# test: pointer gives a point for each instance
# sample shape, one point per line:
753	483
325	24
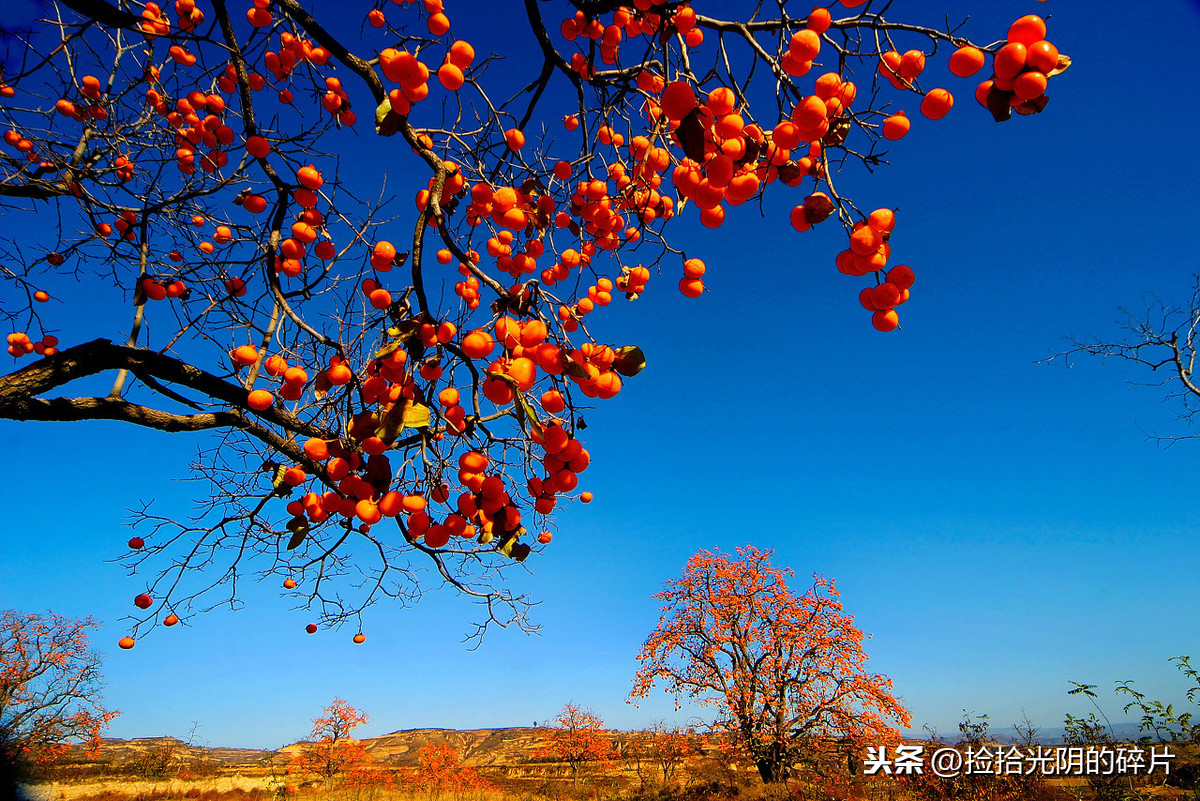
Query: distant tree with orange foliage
577	738
441	771
787	671
659	752
332	754
50	684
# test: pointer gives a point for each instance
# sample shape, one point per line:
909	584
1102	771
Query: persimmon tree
50	688
660	751
386	385
787	672
331	753
577	738
440	771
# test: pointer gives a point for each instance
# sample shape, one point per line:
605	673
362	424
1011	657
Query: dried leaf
526	413
629	361
321	386
574	369
408	414
389	348
1064	61
386	123
839	129
753	150
513	549
280	486
997	103
297	539
817	208
1034	106
789	172
691	136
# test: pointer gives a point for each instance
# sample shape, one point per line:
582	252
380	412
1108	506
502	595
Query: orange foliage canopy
49	687
577	738
333	754
786	670
441	771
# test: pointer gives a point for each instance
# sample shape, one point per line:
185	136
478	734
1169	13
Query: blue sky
1000	526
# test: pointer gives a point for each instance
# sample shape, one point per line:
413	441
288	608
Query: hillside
507	751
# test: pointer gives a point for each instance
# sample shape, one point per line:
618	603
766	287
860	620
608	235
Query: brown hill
477	747
512	752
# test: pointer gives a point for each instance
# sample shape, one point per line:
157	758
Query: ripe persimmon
691	287
1029	84
553	401
966	61
912	64
260	400
885	320
882	220
478	344
896	126
310	178
450	76
125	643
678	99
819	20
381	298
720	101
316	449
937	104
461	54
383	255
901	275
1010	60
1042	56
804	45
866	240
245	355
1027	30
311	628
258	147
438	24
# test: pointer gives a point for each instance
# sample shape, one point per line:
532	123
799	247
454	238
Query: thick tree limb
19	391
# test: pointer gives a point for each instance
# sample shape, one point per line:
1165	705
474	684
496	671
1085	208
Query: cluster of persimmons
456	416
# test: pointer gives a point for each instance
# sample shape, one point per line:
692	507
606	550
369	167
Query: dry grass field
506	765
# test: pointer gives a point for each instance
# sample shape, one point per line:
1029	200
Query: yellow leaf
415	415
408	414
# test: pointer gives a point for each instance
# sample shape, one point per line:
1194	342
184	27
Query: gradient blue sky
998	525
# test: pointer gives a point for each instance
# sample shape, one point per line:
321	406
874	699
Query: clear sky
1000	526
